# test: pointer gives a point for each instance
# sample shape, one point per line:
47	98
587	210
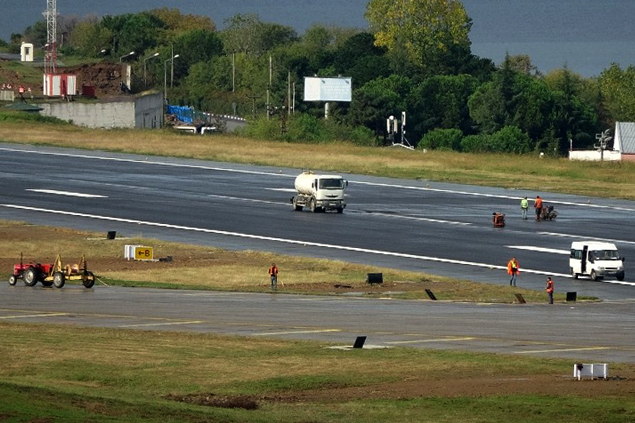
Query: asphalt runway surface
431	227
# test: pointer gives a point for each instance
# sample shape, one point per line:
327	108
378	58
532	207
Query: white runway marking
281	189
67	193
281	240
417	341
539	249
282	175
563	350
193	322
34	315
423	219
589	238
294	332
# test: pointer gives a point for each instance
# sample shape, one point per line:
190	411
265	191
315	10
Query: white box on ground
592	370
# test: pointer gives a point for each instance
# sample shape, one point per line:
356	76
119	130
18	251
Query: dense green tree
36	34
374	102
194	46
248	34
441	102
617	87
429	32
89	38
359	58
133	32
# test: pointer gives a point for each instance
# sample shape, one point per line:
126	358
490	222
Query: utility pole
172	69
289	94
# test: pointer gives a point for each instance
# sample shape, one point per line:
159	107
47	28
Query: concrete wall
149	111
594	155
129	112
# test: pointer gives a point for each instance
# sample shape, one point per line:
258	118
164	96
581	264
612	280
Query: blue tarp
183	113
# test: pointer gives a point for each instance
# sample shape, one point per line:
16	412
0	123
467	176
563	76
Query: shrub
510	139
442	139
475	144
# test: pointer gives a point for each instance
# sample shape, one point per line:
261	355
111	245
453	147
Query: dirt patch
212	400
618	386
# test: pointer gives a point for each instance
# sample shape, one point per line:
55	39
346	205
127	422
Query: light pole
145	81
165	75
126	55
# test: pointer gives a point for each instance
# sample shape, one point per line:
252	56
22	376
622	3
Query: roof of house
626	133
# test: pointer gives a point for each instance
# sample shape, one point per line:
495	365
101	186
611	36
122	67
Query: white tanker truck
319	192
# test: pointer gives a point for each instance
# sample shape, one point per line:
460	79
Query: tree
90	38
441	102
374	102
247	34
617	87
36	34
430	32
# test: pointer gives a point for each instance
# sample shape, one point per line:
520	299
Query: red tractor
52	274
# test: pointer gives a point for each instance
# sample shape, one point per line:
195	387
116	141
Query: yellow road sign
143	253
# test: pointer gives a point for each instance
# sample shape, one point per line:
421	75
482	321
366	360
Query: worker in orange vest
273	273
550	290
513	268
538	207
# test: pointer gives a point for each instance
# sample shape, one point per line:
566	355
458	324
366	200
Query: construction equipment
52	274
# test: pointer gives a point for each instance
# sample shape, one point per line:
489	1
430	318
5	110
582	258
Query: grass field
60	374
69	374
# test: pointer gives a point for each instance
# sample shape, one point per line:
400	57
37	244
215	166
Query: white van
595	259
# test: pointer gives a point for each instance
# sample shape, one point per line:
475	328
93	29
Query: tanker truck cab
319	192
596	259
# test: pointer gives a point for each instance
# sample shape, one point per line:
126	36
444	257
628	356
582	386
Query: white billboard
327	89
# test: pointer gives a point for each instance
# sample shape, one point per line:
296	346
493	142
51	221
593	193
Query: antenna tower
51	36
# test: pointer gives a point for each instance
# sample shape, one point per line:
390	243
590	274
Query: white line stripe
588	238
564	350
282	240
539	249
253	172
193	322
67	193
418	341
294	332
424	219
34	315
476	194
281	189
251	200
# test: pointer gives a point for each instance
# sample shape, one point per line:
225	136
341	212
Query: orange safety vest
550	287
273	271
538	203
511	268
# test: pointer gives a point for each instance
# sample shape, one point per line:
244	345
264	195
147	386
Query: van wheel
620	276
594	276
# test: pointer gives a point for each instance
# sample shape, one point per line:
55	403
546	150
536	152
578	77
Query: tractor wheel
89	281
30	277
47	283
59	279
12	280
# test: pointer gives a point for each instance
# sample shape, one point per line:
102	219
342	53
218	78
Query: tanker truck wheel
340	209
312	205
58	279
295	205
